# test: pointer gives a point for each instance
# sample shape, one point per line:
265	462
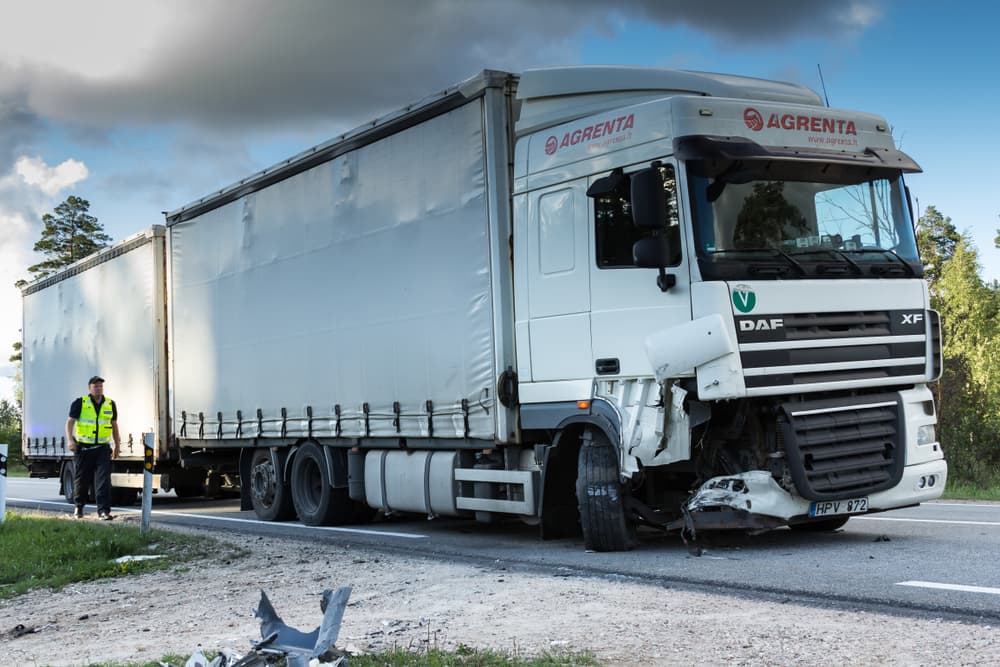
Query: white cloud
50	180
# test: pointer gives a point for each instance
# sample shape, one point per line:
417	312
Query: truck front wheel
316	501
599	491
271	497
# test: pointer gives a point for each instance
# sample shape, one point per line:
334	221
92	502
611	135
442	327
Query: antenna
823	83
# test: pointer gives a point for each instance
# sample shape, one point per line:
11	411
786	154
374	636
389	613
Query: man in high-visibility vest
90	429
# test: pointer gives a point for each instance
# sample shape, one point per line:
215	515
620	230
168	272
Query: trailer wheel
599	492
821	525
316	501
66	481
271	497
185	491
123	496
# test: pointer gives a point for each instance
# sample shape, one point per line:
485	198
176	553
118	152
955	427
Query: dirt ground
414	602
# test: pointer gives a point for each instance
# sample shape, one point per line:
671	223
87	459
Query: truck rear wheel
271	497
601	496
316	501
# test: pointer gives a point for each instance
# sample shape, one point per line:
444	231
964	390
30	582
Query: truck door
558	272
626	304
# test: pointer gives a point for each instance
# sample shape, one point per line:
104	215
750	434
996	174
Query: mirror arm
665	280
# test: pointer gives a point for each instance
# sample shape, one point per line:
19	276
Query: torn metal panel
298	647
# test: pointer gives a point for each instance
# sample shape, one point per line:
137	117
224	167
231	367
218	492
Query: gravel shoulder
415	602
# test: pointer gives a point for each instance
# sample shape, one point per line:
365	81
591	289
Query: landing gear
601	495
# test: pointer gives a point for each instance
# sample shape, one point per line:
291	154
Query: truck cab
719	305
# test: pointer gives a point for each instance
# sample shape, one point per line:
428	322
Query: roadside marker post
147	482
3	483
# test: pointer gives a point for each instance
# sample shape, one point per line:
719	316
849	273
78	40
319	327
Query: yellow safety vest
93	428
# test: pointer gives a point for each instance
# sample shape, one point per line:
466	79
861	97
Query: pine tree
936	241
70	234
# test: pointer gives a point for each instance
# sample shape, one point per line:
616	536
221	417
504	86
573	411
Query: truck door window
614	232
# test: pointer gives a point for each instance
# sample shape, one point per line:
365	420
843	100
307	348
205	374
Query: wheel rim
262	483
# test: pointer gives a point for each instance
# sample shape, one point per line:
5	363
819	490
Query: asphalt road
936	560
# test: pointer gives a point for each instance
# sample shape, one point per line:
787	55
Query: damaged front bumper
755	501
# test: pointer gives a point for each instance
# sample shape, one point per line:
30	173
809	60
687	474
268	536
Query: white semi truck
591	298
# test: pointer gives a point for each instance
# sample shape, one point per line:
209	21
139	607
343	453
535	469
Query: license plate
832	507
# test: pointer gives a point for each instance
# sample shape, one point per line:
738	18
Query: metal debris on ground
280	642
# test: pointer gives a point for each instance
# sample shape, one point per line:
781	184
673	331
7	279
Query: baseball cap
96	378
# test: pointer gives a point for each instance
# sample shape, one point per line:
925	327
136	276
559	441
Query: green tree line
968	394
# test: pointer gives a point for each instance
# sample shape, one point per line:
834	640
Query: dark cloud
260	62
19	126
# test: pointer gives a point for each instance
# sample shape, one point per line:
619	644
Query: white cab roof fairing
552	96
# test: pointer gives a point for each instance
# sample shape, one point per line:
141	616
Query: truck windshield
754	227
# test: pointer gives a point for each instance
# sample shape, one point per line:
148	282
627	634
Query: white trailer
585	297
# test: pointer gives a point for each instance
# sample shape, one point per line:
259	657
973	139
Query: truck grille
783	352
845	447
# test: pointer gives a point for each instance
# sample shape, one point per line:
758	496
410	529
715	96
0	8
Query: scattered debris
133	559
882	538
18	630
282	644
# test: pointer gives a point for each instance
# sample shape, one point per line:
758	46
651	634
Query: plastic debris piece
129	559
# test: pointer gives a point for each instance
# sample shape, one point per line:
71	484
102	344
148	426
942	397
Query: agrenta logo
755	121
605	129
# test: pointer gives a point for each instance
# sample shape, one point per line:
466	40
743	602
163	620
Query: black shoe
104	516
78	513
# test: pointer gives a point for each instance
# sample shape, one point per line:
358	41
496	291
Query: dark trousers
92	467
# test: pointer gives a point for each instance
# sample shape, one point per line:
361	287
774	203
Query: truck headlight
926	434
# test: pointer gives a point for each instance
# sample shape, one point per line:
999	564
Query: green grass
967	491
463	656
40	552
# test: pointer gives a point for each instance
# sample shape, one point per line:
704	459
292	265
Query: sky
142	106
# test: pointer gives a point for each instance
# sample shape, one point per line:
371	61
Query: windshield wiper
887	251
784	255
838	253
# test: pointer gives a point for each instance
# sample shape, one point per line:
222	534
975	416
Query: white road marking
951	587
952	522
331	529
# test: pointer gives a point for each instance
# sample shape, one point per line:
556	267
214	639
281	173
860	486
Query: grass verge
38	552
969	491
463	656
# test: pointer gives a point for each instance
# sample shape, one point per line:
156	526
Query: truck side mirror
649	206
655	252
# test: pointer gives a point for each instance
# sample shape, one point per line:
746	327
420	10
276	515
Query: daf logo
913	318
761	325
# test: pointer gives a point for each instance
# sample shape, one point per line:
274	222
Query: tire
600	494
270	496
821	525
316	501
123	496
188	490
66	481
